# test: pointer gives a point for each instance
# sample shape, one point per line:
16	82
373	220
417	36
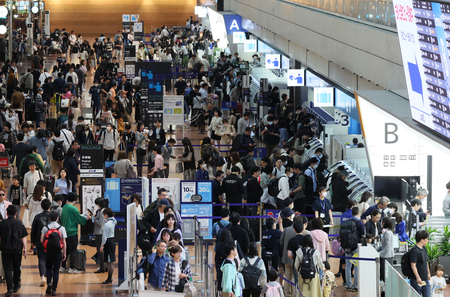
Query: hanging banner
91	160
173	107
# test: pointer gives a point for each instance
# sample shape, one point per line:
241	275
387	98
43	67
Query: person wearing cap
287	216
152	218
233	189
322	208
70	219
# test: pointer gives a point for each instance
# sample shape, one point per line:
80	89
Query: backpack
53	241
272	187
406	265
272	291
251	274
221	227
308	269
237	142
349	236
13	242
61	119
58	150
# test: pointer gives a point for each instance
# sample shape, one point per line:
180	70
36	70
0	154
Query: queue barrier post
195	247
260	220
207	289
377	263
212	286
200	281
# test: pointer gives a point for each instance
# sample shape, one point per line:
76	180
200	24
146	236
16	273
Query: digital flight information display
424	34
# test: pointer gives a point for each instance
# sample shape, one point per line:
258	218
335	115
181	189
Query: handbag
190	290
130	172
182	283
179	167
188	158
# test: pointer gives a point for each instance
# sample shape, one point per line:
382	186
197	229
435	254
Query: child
16	194
437	282
329	281
272	287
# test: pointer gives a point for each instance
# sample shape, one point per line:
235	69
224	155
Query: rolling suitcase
50	124
80	260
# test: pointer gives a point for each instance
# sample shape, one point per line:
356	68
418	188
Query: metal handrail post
201	261
260	220
195	247
206	274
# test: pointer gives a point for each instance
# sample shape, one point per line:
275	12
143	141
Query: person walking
176	272
53	236
40	221
419	265
253	260
108	247
312	286
13	242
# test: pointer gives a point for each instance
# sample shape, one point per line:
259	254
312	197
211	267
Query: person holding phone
63	186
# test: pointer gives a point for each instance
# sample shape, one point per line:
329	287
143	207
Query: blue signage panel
112	193
128	187
233	23
205	190
200	210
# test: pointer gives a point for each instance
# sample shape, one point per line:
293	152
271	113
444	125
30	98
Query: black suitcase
80	260
50	124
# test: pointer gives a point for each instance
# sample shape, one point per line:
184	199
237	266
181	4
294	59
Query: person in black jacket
41	220
152	219
254	190
239	234
158	134
340	192
233	189
19	150
373	227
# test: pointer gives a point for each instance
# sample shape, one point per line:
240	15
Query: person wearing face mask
373	227
227	131
322	208
95	91
86	136
283	186
310	181
318	154
271	135
201	173
110	141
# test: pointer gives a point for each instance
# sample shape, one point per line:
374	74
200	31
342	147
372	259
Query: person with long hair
150	155
188	159
63	186
169	223
386	249
108	246
11	83
176	272
252	259
202	173
141	140
99	222
233	160
310	287
105	114
34	200
215	126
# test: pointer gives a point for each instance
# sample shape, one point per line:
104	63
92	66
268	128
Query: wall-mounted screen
424	34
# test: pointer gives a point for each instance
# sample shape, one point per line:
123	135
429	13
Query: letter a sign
233	23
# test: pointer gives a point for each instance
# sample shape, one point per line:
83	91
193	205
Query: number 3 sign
341	118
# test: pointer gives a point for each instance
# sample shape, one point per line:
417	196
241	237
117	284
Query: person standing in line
175	270
12	244
167	153
420	281
70	219
99	222
108	247
157	263
252	259
387	246
110	141
446	203
54	254
229	270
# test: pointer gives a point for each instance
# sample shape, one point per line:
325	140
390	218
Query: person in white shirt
31	178
131	37
72	38
110	141
67	136
283	186
28	132
43	76
164	32
72	74
205	63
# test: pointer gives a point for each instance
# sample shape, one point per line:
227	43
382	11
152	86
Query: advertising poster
188	189
172	186
173	107
90	193
201	210
131	228
128	187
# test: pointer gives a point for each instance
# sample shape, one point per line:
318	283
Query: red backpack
53	241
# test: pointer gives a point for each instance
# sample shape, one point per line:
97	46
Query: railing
396	285
378	12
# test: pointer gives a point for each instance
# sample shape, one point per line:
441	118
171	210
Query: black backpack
272	187
58	150
349	236
308	269
251	274
309	185
406	265
237	142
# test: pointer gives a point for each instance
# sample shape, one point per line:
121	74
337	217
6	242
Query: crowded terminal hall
196	148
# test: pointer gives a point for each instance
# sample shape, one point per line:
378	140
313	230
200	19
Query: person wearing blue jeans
348	265
419	265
